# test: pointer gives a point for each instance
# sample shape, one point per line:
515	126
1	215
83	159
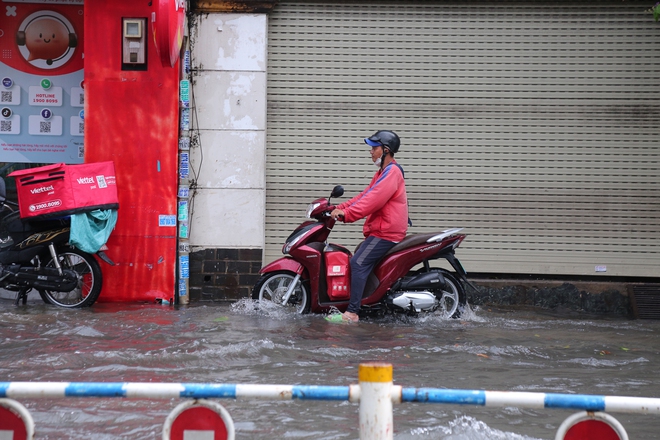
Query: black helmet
385	138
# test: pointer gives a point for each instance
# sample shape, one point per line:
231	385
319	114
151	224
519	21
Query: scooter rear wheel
273	287
450	297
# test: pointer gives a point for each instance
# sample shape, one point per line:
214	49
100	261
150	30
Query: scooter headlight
310	208
289	244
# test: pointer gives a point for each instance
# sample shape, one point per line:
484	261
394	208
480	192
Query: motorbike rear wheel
273	286
90	280
451	297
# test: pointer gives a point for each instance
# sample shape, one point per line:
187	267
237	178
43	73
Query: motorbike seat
409	241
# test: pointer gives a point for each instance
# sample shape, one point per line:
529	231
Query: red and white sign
591	426
199	420
168	30
15	421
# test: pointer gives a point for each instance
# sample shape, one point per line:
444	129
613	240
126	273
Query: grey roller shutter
533	125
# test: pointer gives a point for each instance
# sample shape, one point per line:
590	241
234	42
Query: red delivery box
59	190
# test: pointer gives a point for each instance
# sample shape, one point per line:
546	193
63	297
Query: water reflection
488	349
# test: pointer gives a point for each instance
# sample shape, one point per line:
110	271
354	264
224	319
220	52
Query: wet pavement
494	349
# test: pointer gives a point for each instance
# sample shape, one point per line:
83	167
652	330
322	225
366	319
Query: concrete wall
228	152
229	86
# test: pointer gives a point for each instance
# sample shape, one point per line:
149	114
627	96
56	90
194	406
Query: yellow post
376	421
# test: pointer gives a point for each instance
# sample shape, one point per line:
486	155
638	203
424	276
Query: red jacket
384	203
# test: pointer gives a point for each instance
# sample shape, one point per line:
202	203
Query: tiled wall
223	274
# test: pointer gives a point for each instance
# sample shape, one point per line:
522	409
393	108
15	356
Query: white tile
231	159
230	100
231	42
228	218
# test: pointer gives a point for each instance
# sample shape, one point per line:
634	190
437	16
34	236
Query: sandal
339	318
336	318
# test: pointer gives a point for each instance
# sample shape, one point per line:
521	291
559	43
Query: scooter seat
409	241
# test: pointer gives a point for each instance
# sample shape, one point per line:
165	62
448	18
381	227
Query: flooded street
494	349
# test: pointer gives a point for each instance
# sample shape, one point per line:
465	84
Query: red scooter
315	276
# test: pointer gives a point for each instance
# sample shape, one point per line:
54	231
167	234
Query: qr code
81	151
81	127
5	126
44	127
100	180
82	99
5	97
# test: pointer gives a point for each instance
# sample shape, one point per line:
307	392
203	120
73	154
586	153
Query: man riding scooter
384	203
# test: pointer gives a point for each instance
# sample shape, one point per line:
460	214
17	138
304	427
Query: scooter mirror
337	191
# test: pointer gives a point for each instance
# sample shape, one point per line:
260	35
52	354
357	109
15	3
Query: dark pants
368	254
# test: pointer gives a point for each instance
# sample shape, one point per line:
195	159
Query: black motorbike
37	255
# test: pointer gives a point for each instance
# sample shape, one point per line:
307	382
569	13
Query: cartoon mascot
47	38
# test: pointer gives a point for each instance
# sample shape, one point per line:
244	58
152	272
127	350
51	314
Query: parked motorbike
313	276
37	255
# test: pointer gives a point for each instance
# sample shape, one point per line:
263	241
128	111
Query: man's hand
336	213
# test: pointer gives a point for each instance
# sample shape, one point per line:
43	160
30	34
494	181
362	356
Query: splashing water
462	428
271	310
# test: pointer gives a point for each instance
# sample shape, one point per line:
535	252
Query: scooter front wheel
274	286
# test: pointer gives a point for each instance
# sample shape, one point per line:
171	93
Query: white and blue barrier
150	390
642	405
375	393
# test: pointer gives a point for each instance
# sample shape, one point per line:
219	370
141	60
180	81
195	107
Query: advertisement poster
42	91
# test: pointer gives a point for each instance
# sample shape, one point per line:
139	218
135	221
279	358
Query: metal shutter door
533	125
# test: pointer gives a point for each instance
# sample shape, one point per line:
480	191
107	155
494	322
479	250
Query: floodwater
493	349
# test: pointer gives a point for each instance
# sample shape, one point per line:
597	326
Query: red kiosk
132	119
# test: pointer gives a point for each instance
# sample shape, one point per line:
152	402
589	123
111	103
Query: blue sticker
167	220
186	61
183	230
183	210
184	271
184	93
184	165
185	119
